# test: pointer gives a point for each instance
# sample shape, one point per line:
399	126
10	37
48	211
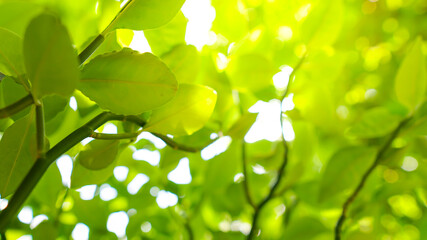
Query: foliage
346	81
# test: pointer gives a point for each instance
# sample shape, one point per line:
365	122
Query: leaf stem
352	197
106	136
178	146
281	171
16	107
41	165
40	131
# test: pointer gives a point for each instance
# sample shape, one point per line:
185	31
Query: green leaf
376	122
82	176
323	24
98	154
242	126
344	170
250	71
186	113
162	39
50	59
147	14
184	62
221	169
11	61
229	21
47	190
15	15
45	231
411	78
18	154
304	228
53	105
128	82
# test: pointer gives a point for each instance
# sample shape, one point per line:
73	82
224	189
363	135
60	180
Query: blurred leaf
186	113
323	24
15	15
11	60
164	38
18	154
344	170
411	78
222	168
229	21
147	14
252	72
47	190
98	154
304	228
82	176
128	82
94	213
50	59
184	62
45	231
239	129
376	122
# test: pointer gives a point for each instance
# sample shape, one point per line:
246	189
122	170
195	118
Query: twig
282	167
16	107
246	176
106	136
178	146
362	182
58	213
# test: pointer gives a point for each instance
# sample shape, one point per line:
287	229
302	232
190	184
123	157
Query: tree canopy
213	119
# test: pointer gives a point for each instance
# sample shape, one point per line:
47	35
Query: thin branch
178	146
246	176
16	107
107	136
189	230
90	49
359	187
60	209
281	171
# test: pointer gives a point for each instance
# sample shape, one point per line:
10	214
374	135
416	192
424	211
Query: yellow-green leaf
50	60
323	24
11	61
146	14
242	126
184	62
186	113
376	122
251	71
347	165
18	154
164	38
411	78
128	82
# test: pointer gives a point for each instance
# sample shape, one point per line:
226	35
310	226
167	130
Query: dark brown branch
362	182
